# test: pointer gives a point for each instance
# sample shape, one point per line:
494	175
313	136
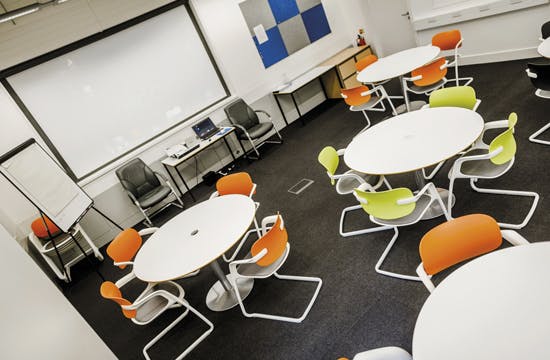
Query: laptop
205	129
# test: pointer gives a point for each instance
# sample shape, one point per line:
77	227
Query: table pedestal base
435	209
220	299
414	105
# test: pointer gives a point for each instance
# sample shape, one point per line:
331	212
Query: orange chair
148	306
366	61
266	256
238	183
426	79
361	98
458	240
450	41
44	228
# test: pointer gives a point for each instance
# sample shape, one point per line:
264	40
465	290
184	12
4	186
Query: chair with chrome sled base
540	77
395	208
152	303
248	126
450	41
458	240
143	187
491	161
363	99
346	183
266	256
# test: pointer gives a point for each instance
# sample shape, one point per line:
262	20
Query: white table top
544	48
494	307
303	79
412	141
398	64
172	251
224	131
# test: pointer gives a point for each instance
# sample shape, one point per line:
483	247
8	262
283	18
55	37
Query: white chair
266	256
383	353
539	74
425	79
238	183
363	99
149	305
458	240
346	183
395	208
484	161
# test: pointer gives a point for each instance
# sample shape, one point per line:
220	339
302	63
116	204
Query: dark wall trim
89	40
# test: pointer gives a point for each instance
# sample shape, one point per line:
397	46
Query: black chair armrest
264	112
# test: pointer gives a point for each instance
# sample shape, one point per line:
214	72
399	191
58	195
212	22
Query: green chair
329	157
395	208
491	161
455	96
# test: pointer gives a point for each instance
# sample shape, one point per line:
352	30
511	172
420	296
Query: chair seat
483	168
152	308
421	205
372	101
346	185
255	270
425	89
257	130
154	196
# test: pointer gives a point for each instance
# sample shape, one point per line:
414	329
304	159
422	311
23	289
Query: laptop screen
204	128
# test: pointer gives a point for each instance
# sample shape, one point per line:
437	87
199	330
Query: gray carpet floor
357	309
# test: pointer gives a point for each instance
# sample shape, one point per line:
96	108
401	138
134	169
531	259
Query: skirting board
496	56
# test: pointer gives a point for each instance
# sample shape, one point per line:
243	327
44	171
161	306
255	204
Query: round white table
397	65
494	307
412	141
544	48
196	238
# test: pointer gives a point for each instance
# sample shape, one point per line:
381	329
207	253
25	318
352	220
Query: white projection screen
98	102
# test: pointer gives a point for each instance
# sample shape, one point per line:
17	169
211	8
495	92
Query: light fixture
29	9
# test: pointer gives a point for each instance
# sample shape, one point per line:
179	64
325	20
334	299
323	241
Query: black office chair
248	126
144	188
540	77
545	30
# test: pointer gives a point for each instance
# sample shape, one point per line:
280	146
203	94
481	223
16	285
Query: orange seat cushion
238	183
447	40
274	241
40	230
431	73
353	96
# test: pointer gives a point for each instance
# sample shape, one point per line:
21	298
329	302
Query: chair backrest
239	113
124	246
447	40
383	204
366	61
136	177
110	291
274	241
237	183
542	81
457	96
505	140
458	240
39	229
545	30
431	73
328	157
353	96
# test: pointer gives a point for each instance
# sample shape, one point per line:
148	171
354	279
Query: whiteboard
105	99
37	176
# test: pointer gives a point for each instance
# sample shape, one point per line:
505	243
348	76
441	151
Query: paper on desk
260	33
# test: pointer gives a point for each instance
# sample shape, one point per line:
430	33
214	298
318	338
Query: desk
412	141
544	48
494	307
343	64
196	238
173	163
398	64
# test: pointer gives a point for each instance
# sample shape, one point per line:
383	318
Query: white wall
227	35
508	36
38	322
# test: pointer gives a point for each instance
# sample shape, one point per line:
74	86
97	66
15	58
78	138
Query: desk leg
435	209
297	108
173	180
229	148
221	295
280	108
184	183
